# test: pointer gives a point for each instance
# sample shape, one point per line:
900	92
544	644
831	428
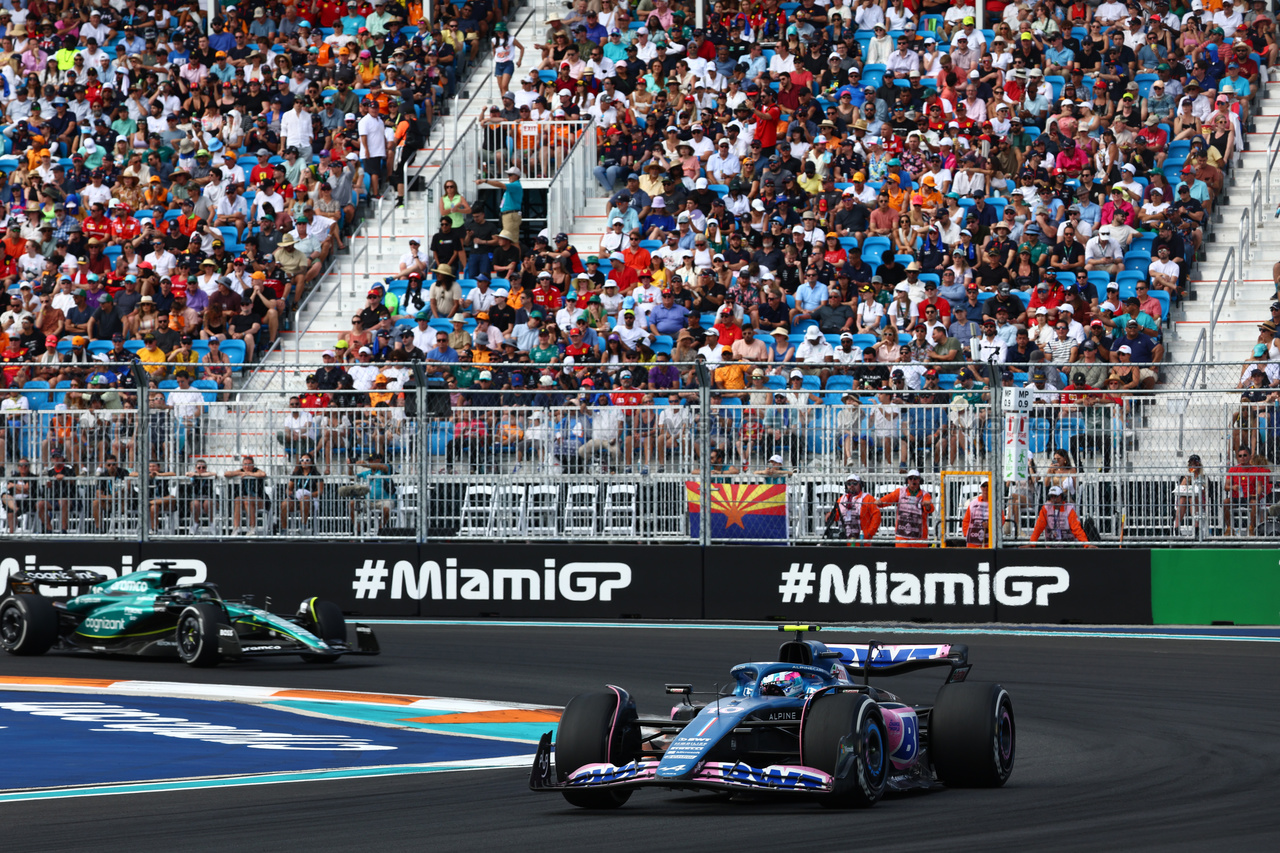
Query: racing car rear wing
896	660
26	582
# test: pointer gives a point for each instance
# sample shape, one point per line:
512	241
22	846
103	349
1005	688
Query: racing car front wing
715	775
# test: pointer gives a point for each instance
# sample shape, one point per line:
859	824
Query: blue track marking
1226	633
60	740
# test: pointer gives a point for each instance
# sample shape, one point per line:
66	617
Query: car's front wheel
844	735
595	728
197	635
325	620
28	625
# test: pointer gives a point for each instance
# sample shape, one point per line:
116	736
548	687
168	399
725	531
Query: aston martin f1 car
800	725
151	614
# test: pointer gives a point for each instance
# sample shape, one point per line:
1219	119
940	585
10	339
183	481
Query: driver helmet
782	684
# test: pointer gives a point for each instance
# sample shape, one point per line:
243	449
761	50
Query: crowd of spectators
818	191
171	188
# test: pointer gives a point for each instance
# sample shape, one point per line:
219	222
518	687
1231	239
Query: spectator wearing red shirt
624	275
1118	202
1248	483
97	225
1157	139
314	398
767	123
546	296
125	227
931	298
1071	159
1048	293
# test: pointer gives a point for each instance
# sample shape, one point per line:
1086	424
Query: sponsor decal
777	776
608	774
578	581
130	586
1013	586
781	715
117	719
226	632
98	624
261	648
885	655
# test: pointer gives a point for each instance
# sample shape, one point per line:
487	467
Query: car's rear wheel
589	734
844	735
28	625
325	620
197	635
972	736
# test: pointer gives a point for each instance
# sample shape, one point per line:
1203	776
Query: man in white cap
855	514
1103	253
364	371
817	354
913	506
1058	521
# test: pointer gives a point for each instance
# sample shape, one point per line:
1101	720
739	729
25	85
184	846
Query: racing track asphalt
1122	744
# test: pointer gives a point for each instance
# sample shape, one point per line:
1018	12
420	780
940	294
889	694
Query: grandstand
469	460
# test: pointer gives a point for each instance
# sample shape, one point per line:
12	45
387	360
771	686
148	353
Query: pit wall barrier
608	582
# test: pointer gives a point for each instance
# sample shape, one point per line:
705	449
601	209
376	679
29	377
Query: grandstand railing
574	182
541	150
1228	276
1273	151
561	464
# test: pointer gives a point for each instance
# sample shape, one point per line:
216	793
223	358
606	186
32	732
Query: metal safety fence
694	453
539	149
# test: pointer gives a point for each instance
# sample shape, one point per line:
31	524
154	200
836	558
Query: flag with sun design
740	511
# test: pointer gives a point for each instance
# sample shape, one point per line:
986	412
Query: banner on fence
607	582
739	511
888	584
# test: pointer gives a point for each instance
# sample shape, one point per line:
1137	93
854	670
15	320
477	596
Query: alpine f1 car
150	614
798	725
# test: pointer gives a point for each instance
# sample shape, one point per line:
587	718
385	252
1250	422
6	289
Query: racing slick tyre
197	635
972	735
844	735
325	620
28	625
587	734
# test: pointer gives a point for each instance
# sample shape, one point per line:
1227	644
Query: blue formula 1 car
798	725
154	614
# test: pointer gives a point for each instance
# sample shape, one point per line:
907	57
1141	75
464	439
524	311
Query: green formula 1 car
152	614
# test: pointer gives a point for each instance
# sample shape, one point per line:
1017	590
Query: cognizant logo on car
99	624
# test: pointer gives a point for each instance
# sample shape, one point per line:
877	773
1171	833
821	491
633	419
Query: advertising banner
526	581
955	585
1201	586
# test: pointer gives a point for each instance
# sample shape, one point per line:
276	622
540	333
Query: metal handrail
1228	276
1274	152
1199	373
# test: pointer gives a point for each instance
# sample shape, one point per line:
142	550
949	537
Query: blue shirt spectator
668	318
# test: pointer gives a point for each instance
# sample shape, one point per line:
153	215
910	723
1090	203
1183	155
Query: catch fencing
724	457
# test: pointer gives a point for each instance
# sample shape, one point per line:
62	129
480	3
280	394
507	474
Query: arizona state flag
740	511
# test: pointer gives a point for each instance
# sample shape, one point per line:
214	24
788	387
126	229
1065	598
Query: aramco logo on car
582	581
1012	586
